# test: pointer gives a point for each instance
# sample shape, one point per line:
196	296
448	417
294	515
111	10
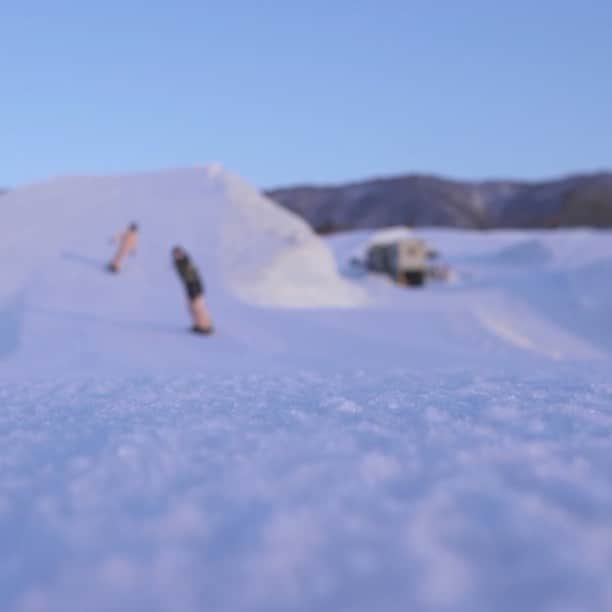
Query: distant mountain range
418	200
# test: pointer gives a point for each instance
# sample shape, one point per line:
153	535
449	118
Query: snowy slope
545	292
340	444
246	243
55	245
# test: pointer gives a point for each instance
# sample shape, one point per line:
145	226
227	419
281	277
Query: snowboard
202	332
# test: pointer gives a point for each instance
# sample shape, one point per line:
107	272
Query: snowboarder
189	275
128	242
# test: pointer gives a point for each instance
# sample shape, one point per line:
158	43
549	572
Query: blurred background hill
427	200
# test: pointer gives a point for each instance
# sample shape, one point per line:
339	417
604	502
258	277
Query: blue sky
317	91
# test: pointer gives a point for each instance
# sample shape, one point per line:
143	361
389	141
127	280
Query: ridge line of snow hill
272	257
248	247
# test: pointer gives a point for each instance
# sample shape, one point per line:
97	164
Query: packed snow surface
339	444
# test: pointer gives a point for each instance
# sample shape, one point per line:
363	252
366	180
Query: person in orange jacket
128	243
194	287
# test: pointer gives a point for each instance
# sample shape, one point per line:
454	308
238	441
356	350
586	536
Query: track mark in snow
507	332
518	326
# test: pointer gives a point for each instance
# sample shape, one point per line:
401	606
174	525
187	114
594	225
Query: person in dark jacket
194	287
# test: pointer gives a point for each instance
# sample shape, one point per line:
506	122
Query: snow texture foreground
256	493
339	445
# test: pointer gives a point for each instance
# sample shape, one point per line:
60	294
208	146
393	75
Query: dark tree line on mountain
432	201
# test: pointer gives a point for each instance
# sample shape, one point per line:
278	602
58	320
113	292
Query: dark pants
194	290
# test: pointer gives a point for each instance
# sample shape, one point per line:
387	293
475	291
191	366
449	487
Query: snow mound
526	252
271	257
247	246
390	235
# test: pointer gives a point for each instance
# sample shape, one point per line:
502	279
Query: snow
340	444
390	235
259	492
